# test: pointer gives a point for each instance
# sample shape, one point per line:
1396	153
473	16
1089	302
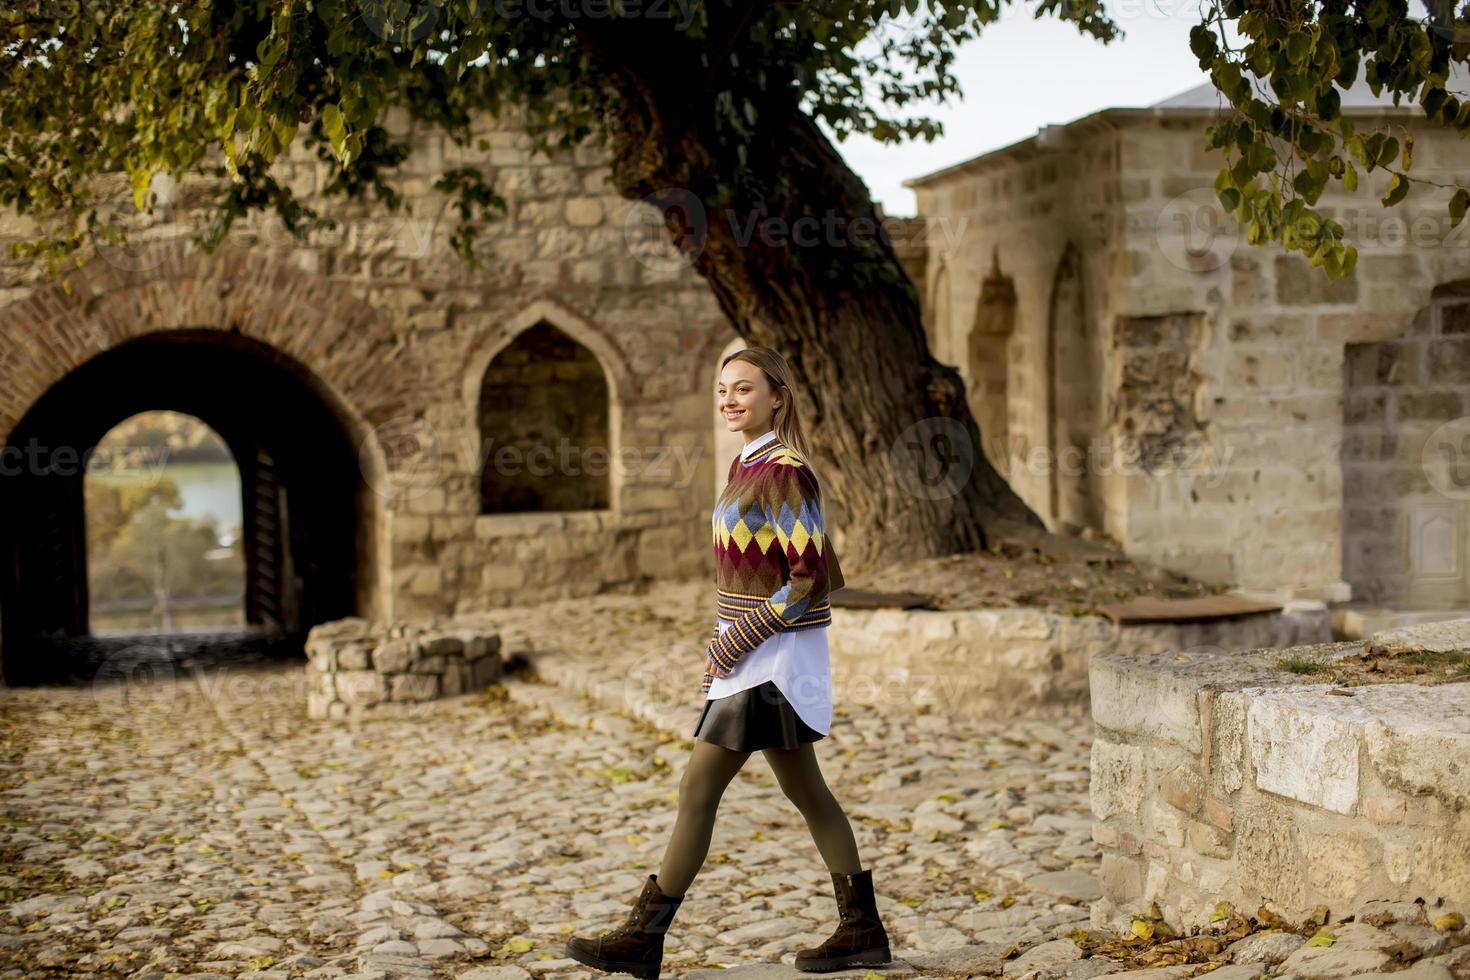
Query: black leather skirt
756	718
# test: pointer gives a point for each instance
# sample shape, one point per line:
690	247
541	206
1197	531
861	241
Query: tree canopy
149	86
1295	135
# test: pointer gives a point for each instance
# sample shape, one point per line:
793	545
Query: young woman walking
767	679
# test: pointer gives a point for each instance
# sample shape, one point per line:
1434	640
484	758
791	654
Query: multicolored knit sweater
770	555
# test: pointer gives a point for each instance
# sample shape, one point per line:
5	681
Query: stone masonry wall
1221	363
398	335
1218	776
1016	216
1263	504
980	663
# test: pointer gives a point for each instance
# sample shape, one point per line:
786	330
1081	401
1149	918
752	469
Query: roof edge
1105	117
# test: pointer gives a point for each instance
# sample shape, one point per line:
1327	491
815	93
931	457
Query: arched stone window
544	426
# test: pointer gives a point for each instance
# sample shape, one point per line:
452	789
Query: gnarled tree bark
897	445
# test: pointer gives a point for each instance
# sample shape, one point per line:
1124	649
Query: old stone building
418	438
413	437
1140	369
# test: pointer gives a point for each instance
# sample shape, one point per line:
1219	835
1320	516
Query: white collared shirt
798	662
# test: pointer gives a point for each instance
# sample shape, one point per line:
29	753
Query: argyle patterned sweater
770	556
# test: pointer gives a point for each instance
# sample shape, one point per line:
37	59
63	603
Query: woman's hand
711	665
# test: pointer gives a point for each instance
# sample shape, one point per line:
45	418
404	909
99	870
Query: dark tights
710	769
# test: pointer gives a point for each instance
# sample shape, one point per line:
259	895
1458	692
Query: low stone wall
976	662
356	666
1219	776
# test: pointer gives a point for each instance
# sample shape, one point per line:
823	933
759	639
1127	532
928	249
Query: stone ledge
356	666
975	662
1220	776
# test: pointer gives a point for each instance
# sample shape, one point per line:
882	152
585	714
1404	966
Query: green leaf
269	50
1261	157
1322	938
1244	137
1397	188
1298	47
1329	105
140	178
1202	42
332	122
1458	204
1434	101
1388	152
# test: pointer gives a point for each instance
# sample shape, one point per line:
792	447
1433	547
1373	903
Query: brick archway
324	326
293	372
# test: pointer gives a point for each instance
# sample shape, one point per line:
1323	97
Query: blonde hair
787	419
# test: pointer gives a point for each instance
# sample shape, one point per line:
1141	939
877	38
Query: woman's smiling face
746	399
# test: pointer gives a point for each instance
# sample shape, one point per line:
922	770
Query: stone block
1442	861
1421	762
1302	751
1209	840
1268	855
442	646
361	688
1182	788
1337	864
414	687
1168	824
1132	699
1298	283
354	656
484	671
1121	878
1225	770
395	656
1118	777
322	653
1219	813
1385	808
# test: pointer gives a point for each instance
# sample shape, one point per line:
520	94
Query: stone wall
359	667
1406	492
978	663
1002	231
1221	366
399	337
1219	776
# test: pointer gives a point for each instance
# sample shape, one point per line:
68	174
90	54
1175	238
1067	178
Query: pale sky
1023	73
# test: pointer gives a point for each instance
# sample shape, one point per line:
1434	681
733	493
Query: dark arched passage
302	487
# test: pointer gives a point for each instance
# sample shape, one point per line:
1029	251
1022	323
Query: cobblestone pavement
200	825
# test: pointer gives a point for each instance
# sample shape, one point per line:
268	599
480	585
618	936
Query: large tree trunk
897	444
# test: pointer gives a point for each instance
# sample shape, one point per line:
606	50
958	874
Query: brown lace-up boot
860	938
636	946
